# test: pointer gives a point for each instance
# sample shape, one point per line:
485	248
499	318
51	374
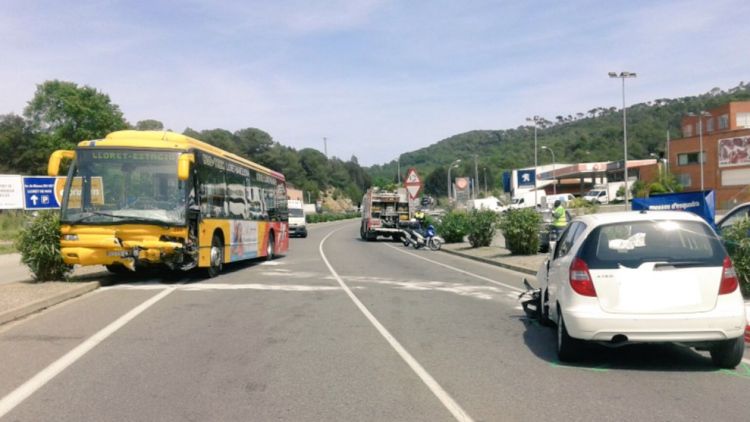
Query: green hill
595	135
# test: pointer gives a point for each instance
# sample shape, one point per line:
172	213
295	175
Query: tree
67	113
61	114
16	152
252	142
149	124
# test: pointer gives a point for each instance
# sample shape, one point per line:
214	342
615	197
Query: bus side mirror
53	167
183	166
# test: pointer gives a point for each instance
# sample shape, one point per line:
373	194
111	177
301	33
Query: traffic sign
412	183
39	193
11	192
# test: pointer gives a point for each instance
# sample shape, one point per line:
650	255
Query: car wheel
727	354
567	346
216	259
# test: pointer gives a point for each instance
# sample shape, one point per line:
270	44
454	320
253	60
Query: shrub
737	242
453	227
39	244
481	227
521	231
581	203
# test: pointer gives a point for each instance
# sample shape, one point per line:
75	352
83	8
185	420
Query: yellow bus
143	198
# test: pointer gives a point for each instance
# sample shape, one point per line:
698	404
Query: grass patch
11	222
7	248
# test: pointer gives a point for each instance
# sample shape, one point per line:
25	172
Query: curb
28	309
491	262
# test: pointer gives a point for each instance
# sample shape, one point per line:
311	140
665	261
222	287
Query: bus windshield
118	186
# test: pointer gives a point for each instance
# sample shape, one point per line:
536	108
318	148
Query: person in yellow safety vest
419	215
560	219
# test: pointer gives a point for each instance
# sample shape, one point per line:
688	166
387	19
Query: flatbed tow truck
384	214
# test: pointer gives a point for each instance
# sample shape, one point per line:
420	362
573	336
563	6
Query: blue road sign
39	193
526	178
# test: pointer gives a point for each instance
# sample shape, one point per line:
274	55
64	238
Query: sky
377	78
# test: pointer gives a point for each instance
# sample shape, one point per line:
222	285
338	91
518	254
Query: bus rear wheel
216	258
271	247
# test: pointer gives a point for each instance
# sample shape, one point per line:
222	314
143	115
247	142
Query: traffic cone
747	334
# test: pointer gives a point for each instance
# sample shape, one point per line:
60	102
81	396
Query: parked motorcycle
412	236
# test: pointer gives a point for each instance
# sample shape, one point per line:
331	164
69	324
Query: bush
587	206
453	227
521	231
737	242
39	244
322	218
481	227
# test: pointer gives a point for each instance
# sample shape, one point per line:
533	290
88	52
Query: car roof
599	219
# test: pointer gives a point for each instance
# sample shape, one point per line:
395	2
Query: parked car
643	277
734	215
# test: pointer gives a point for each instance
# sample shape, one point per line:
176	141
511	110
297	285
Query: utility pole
476	178
325	146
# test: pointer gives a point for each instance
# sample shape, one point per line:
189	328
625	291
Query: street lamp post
701	158
536	120
554	182
623	76
453	165
484	169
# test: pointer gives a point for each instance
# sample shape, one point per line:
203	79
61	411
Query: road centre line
487	279
17	396
453	407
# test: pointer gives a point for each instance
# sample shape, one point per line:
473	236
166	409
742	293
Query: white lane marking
227	286
453	407
38	381
489	280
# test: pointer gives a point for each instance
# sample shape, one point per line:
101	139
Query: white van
562	197
297	223
597	196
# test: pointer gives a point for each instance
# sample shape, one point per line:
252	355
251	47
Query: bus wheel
270	248
217	257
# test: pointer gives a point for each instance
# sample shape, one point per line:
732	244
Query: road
339	330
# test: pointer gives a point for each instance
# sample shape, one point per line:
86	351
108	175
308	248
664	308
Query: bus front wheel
217	257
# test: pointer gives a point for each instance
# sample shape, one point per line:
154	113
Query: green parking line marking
601	368
742	371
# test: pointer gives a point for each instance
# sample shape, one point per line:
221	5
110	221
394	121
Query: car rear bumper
719	324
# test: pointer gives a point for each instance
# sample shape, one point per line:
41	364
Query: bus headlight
70	237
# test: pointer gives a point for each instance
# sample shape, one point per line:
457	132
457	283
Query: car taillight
729	281
580	278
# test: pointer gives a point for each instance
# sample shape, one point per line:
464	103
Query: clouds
377	78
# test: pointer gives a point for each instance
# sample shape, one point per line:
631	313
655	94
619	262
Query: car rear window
630	244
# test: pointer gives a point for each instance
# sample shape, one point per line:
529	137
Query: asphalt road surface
338	330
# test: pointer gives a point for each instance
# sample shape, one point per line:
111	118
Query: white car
643	277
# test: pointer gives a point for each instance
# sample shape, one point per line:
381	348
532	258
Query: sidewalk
21	296
496	254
